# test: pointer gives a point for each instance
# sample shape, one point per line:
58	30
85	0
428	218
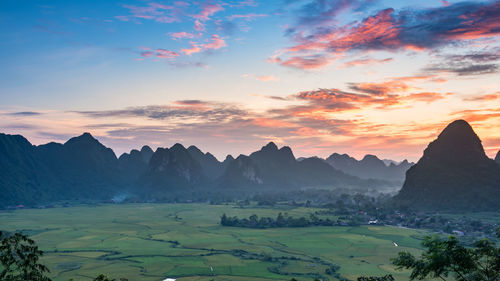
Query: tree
103	277
19	257
443	258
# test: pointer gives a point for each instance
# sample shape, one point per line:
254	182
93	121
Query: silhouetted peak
457	141
287	152
270	147
458	129
370	157
85	138
229	157
17	138
146	149
194	149
336	156
498	157
177	147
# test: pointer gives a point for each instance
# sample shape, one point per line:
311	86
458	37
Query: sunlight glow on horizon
357	77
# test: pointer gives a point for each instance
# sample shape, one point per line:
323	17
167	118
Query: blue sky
229	76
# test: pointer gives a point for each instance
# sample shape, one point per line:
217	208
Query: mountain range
454	173
84	169
370	167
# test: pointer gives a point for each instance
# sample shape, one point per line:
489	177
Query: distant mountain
86	170
171	168
497	158
210	166
453	174
370	167
135	163
278	168
241	172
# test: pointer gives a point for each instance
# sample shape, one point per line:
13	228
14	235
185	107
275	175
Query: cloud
154	11
304	62
264	78
320	12
192	50
216	43
246	17
390	30
180	110
199	26
392	85
478	115
25	113
181	35
207	10
162	53
365	61
159	53
490	97
478	63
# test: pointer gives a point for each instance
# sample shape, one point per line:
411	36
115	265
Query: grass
185	241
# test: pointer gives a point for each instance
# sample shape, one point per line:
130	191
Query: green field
185	241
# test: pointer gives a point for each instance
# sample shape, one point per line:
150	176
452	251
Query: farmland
185	241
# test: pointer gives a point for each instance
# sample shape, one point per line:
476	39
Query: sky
321	76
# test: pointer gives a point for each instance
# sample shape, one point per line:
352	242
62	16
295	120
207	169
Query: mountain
241	172
135	163
210	166
84	169
20	171
81	168
454	173
497	158
171	168
273	167
370	167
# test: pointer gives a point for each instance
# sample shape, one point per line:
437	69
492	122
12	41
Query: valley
185	241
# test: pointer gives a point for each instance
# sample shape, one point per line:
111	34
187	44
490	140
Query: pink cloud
216	43
147	54
207	10
267	78
199	26
194	49
305	62
366	61
416	30
181	35
165	54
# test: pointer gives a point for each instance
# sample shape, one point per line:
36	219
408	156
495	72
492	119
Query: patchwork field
185	241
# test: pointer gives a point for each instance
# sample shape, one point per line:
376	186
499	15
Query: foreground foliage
19	257
447	258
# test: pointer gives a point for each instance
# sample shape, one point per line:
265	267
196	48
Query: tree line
280	221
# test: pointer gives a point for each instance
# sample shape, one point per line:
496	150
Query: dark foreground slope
453	174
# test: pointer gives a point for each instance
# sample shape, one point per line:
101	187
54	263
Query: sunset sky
356	77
